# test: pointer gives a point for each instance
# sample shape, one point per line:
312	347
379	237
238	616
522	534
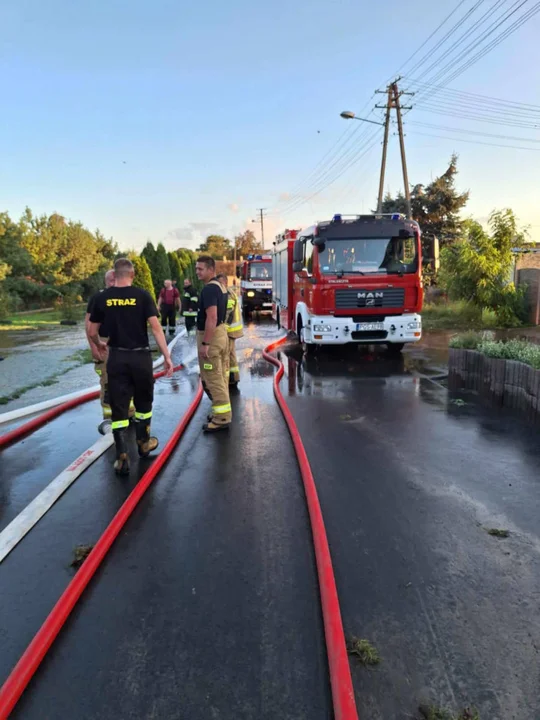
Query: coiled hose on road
336	649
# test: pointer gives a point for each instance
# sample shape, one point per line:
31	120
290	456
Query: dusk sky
167	120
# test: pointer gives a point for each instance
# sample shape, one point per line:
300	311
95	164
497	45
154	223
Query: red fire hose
31	425
25	669
338	661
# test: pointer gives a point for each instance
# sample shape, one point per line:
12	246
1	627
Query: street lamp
348	115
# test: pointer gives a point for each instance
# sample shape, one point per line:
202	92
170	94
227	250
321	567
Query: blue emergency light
395	216
336	218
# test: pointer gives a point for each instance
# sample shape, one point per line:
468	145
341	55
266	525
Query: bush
519	350
67	306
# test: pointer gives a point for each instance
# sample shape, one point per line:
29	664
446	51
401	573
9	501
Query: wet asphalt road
207	604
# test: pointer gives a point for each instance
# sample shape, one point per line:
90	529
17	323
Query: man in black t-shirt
213	345
126	311
100	366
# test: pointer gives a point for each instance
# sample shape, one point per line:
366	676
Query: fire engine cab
255	275
351	279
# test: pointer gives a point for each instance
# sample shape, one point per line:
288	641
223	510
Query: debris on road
80	553
364	651
496	532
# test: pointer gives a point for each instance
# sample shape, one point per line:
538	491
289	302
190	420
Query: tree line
46	258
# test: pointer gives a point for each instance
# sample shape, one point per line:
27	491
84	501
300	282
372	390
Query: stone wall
498	382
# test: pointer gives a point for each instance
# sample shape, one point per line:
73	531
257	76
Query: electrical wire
470	97
415	53
370	143
471	132
340	161
447	74
476	142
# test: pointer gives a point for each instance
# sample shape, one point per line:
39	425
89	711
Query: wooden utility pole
261	214
393	96
385	148
402	149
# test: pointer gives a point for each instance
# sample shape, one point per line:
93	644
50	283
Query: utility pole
385	148
393	96
402	149
261	220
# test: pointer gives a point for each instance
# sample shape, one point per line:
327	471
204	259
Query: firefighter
168	302
213	345
101	366
126	311
190	305
235	329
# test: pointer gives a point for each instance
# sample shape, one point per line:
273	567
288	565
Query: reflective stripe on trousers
215	374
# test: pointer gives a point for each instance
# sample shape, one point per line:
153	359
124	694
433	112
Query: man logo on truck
369	297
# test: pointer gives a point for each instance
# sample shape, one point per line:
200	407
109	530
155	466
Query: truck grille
360	298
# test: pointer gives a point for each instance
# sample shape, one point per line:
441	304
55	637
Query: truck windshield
364	256
260	271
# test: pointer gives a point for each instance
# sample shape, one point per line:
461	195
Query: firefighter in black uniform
190	305
127	310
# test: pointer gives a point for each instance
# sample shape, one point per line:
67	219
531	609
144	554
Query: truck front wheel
308	348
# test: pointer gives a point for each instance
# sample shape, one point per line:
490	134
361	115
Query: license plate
369	326
267	304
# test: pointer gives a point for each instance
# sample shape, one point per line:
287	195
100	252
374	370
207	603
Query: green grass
433	712
81	357
37	320
497	532
364	651
459	315
518	350
16	394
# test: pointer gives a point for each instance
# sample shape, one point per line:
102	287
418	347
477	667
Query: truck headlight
322	328
251	294
415	325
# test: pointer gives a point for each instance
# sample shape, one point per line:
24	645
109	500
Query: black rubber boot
145	443
121	464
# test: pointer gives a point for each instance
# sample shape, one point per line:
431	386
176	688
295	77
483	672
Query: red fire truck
351	279
255	275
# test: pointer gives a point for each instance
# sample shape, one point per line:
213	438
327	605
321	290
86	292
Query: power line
415	53
496	41
450	50
437	110
371	142
448	35
445	75
472	132
476	142
341	161
472	96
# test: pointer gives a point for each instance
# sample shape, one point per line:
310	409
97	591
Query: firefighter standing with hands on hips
235	329
190	305
126	311
213	345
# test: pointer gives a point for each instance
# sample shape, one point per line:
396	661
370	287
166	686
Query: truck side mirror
433	258
298	266
298	253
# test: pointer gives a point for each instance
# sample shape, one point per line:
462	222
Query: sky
168	120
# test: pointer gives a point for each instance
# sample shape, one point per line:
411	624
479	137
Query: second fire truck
255	275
